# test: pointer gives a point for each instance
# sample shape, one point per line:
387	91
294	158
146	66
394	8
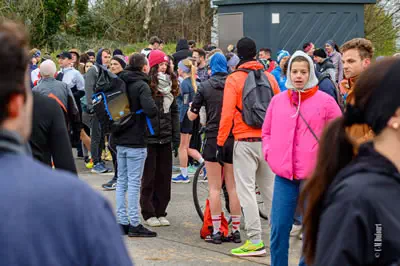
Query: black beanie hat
246	48
320	53
120	59
118	52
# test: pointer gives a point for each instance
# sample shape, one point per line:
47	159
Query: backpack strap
242	70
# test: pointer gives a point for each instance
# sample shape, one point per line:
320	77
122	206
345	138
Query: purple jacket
288	145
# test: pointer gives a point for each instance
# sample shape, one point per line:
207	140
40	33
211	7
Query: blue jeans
130	170
284	203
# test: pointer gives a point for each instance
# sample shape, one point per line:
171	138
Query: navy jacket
50	217
360	222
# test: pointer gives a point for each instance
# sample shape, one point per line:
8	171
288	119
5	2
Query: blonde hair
188	63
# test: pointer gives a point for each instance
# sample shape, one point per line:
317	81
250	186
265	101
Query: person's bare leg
234	203
86	140
183	153
195	154
214	186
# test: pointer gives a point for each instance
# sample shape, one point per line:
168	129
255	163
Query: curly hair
154	81
363	46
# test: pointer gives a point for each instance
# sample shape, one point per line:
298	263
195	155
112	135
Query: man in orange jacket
248	161
357	56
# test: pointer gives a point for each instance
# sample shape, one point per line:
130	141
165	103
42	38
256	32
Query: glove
175	147
219	155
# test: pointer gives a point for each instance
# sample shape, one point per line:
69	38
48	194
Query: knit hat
118	52
331	43
157	57
320	53
246	48
120	59
282	54
48	68
218	64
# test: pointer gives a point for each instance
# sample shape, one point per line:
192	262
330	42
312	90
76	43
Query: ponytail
193	71
335	152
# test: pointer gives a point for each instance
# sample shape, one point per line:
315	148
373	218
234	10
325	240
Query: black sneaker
140	231
214	238
110	185
235	237
124	228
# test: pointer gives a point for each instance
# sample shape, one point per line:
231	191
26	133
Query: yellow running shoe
250	250
89	165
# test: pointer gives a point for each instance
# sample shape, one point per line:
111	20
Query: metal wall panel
298	23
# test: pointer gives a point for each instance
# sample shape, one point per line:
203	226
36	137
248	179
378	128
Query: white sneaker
296	230
164	221
153	222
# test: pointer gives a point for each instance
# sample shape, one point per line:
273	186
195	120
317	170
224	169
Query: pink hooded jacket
289	146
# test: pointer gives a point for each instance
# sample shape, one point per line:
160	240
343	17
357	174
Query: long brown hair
336	151
154	81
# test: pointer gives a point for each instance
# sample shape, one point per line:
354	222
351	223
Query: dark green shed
288	24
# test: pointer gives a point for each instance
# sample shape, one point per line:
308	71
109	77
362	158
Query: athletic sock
255	241
235	223
201	160
216	221
184	171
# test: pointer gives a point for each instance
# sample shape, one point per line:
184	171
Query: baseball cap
64	55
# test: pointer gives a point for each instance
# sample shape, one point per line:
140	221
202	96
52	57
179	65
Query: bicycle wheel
200	194
261	207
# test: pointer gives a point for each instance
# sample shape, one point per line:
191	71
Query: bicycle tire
194	191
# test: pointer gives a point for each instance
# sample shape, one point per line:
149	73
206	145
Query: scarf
164	87
301	95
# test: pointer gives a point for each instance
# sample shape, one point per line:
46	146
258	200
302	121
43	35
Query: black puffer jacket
165	125
134	133
325	65
182	52
360	220
210	94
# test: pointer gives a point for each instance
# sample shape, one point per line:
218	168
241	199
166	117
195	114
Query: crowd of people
319	114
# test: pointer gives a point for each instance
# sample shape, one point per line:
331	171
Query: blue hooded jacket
218	64
281	79
98	57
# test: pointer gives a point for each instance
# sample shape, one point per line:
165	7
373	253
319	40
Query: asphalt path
180	243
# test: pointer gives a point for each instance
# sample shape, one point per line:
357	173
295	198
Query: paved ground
180	244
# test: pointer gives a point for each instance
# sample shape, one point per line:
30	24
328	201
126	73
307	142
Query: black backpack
256	96
110	101
339	97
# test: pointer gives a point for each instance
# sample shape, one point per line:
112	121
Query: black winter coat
325	65
360	222
134	133
165	125
210	93
182	52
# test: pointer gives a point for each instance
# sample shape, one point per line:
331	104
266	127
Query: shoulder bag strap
309	127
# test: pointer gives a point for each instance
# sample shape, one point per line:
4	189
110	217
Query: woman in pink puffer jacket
294	121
